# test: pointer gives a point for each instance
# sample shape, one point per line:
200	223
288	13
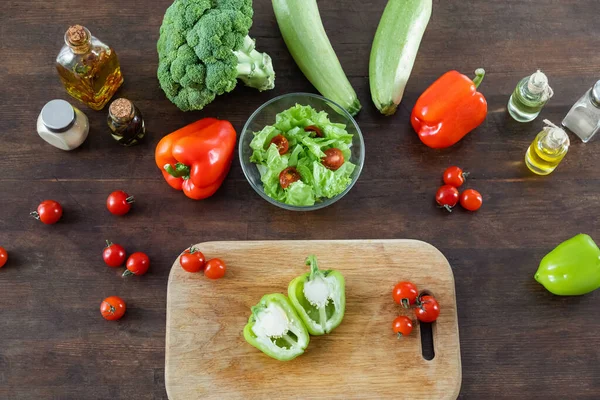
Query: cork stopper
77	35
557	137
538	84
121	109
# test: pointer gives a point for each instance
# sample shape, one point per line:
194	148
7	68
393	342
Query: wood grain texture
517	340
207	357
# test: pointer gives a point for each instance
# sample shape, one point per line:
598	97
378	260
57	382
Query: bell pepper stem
479	74
179	171
314	267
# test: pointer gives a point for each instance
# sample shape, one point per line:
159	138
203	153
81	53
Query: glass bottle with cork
529	97
584	117
126	122
547	150
88	68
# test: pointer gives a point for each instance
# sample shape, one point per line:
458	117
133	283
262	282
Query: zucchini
302	30
394	50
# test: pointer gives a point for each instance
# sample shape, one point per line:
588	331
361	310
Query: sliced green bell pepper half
319	297
276	329
572	268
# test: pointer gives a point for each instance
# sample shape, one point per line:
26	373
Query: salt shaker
584	118
62	125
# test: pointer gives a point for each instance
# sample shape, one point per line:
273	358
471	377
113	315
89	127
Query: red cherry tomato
49	212
282	144
112	308
114	255
405	294
315	129
214	268
137	264
402	326
334	159
447	197
428	309
454	176
471	200
288	176
3	256
119	202
192	260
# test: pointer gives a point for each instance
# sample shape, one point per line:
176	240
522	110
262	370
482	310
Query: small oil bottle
88	68
126	122
547	150
530	96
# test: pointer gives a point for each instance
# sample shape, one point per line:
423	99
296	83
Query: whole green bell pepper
276	329
319	297
572	268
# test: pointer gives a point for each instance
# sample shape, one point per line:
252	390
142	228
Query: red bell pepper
197	157
449	109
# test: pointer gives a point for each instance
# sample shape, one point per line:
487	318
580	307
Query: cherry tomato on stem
405	294
288	176
402	326
3	256
471	200
119	202
49	212
192	260
427	309
333	160
455	176
315	129
282	144
112	308
214	268
137	264
447	197
114	255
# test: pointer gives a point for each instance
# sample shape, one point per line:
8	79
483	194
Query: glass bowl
265	115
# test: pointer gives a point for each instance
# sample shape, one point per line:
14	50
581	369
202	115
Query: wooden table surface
518	341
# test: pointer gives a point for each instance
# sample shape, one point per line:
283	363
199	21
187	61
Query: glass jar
126	122
62	125
88	68
584	117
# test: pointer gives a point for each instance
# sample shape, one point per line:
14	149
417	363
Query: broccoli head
204	48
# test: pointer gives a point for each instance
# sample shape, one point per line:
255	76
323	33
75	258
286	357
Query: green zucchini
394	50
302	30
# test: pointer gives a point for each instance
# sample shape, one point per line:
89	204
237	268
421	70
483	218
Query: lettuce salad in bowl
301	151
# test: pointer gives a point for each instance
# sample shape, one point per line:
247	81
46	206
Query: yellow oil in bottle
88	68
547	150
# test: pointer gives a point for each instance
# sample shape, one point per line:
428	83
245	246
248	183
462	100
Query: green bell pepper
319	297
276	329
572	268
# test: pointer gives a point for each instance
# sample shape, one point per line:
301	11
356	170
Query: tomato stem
35	215
108	243
400	335
130	200
405	303
127	273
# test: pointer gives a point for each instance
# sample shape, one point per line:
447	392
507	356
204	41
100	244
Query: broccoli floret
204	48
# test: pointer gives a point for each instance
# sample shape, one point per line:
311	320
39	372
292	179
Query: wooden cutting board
207	356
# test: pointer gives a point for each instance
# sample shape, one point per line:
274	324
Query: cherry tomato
402	326
454	176
3	256
315	129
112	308
119	202
282	144
114	255
137	264
334	159
192	260
49	212
288	176
471	200
447	197
428	309
405	294
214	268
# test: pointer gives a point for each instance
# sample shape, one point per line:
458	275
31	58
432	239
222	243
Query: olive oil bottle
548	149
88	68
529	97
